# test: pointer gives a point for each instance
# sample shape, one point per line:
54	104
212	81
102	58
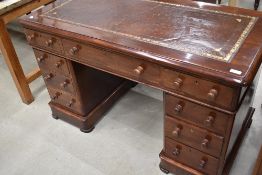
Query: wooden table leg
14	65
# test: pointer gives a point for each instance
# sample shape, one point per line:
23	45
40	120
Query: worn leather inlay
208	33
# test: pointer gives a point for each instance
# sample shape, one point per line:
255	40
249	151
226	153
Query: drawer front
139	70
126	66
89	54
193	136
65	100
197	114
191	157
57	81
51	63
43	40
199	89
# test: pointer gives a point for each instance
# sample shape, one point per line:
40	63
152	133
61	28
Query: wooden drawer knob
57	94
71	103
74	50
202	163
49	42
178	108
176	151
65	84
48	77
178	83
205	143
176	132
59	63
41	58
209	121
212	94
30	37
139	70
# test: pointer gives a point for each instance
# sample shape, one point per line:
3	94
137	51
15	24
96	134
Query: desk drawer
119	64
199	89
191	157
66	100
51	63
138	70
197	114
191	135
43	40
90	55
60	82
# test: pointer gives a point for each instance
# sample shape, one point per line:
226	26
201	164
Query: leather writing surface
188	29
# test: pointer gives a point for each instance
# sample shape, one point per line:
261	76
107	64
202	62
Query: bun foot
55	117
87	130
163	169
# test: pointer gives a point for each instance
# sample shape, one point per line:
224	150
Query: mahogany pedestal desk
9	11
91	52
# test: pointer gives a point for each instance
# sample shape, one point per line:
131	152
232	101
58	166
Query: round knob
205	143
178	108
65	83
49	42
202	164
209	121
41	58
74	50
59	64
71	102
176	132
48	77
139	70
57	94
176	151
212	94
30	37
178	83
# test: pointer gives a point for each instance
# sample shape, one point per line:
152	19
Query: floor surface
127	141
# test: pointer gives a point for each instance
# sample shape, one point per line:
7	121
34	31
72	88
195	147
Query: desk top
224	43
8	5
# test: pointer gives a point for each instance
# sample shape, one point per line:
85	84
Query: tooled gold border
227	58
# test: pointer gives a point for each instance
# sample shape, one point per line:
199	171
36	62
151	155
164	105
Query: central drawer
193	136
119	64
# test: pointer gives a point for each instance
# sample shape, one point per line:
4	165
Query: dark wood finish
191	157
202	116
46	41
51	63
206	75
195	137
233	152
258	166
206	91
246	59
87	122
